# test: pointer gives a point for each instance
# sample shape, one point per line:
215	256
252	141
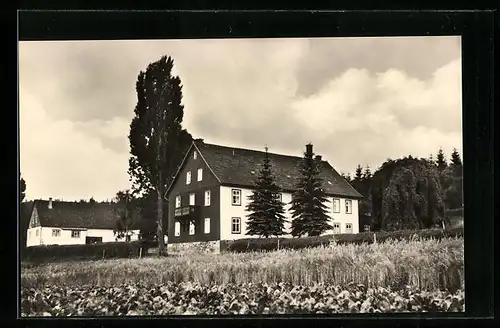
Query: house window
195	155
236	197
336	205
191	199
75	233
236	225
280	197
207	225
56	233
367	227
348	227
177	229
207	197
188	177
191	228
348	206
36	232
177	201
200	174
336	227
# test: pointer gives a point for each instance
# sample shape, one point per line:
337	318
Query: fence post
443	225
374	238
140	252
103	253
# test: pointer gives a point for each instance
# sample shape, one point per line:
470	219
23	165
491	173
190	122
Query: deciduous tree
157	140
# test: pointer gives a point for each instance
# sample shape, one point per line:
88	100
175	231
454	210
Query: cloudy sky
358	100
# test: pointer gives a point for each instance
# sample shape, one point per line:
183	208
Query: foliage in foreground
424	264
194	299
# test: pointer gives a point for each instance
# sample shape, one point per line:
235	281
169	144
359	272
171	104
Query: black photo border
475	27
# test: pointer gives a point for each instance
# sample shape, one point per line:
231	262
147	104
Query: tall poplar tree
157	140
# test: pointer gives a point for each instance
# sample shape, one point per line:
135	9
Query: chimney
309	149
318	157
50	203
199	140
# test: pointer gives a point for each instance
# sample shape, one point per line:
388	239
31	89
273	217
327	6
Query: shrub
83	252
271	244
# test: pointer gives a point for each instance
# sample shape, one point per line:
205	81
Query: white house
209	194
70	223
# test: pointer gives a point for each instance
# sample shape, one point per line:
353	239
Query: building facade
72	223
207	199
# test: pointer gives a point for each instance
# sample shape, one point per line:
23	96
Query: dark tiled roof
236	166
25	210
76	214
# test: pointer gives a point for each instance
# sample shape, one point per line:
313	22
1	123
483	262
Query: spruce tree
308	201
359	173
455	158
440	160
367	174
266	208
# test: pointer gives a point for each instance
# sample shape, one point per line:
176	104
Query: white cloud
59	161
406	115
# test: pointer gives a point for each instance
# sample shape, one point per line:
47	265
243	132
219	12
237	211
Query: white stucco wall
45	236
228	211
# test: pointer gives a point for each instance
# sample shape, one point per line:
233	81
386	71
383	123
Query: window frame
205	225
178	201
366	225
56	233
188	177
239	197
237	223
199	175
348	230
192	196
333	205
75	234
195	155
177	228
192	229
209	194
339	227
348	209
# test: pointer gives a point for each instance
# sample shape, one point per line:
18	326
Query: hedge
52	253
271	244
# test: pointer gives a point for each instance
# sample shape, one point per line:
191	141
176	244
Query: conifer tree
367	174
308	201
440	160
266	208
359	173
455	158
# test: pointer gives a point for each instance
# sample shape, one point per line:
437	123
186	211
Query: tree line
410	192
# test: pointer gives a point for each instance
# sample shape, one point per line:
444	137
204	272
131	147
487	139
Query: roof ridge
252	150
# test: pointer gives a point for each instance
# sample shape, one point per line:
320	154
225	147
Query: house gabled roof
25	210
77	214
240	167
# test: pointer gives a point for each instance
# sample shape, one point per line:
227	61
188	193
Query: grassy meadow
400	268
